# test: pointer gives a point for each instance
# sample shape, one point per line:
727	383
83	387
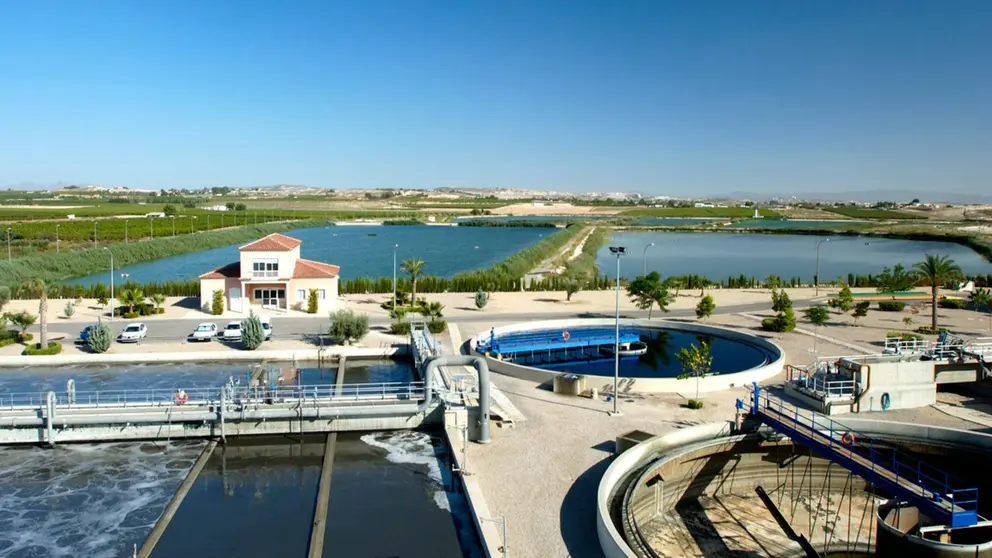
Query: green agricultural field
865	213
728	212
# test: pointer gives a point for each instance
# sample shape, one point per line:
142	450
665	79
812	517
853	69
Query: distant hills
869	196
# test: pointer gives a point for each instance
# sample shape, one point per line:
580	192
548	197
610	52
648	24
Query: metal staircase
936	493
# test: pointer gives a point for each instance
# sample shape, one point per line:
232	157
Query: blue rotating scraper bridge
935	493
556	344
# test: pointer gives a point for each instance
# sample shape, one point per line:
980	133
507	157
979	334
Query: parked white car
204	332
232	332
267	328
133	333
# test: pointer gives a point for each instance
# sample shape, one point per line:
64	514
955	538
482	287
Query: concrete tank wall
895	521
910	384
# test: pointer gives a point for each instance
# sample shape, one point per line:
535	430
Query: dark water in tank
388	498
660	361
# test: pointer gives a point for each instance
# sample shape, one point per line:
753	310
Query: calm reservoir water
361	251
721	255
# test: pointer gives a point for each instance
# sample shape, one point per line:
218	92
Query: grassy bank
66	265
866	213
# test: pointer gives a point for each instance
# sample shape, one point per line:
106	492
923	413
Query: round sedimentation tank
708	491
540	351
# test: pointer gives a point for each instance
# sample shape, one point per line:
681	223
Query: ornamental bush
348	327
312	301
891	306
953	303
217	305
100	338
54	348
252	333
481	299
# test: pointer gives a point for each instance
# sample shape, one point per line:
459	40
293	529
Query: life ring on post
847	439
566	335
182	397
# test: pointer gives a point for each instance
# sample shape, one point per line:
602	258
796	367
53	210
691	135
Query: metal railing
819	384
322	393
902	472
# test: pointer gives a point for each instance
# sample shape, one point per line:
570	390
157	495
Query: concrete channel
177	499
326	473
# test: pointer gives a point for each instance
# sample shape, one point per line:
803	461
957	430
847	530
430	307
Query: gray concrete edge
489	536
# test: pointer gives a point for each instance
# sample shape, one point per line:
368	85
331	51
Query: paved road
297	327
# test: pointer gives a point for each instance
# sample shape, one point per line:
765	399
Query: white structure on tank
271	274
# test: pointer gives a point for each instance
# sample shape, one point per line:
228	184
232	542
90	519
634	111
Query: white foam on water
86	500
415	448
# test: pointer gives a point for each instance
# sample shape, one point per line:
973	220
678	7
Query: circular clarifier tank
648	353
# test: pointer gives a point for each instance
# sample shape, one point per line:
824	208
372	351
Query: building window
265	269
301	295
321	294
269	297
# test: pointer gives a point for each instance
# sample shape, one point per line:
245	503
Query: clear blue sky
640	95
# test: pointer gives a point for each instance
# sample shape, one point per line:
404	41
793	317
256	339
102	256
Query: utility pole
94	232
57	238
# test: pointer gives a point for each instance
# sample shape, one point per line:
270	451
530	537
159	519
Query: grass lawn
864	213
730	212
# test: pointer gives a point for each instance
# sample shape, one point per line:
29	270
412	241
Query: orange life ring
566	335
847	439
181	398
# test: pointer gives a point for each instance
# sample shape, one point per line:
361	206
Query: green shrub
252	334
694	404
437	326
705	307
927	330
312	301
953	303
100	338
400	327
903	335
481	299
54	348
217	304
132	315
348	327
891	306
783	322
70	309
4	296
103	300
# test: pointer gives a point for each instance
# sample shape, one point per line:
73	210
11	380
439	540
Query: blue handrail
933	489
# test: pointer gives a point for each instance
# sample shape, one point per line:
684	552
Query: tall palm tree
131	298
414	267
40	287
938	270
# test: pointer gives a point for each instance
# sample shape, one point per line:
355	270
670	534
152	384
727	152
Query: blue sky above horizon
654	96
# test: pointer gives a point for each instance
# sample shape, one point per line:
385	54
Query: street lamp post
816	273
151	229
395	246
173	225
111	282
644	261
125	231
8	244
94	232
191	217
619	251
57	250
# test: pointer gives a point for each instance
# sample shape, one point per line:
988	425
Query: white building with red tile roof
271	274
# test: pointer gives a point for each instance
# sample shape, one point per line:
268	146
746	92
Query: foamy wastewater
416	448
95	500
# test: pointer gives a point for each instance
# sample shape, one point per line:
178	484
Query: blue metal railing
556	339
935	491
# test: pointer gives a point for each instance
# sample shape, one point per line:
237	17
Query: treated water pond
722	255
361	251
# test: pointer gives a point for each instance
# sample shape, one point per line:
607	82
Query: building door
234	298
271	298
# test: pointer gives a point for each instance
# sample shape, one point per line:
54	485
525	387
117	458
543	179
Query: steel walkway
552	340
230	410
936	493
